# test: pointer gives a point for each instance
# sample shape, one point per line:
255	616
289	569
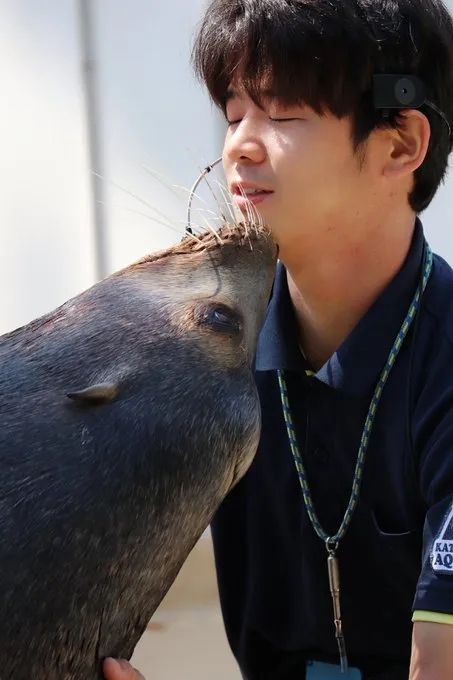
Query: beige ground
185	639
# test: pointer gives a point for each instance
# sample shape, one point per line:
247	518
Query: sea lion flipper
95	394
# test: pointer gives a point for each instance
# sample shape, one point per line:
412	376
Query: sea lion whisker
152	218
257	218
135	196
225	195
165	182
182	189
237	213
252	213
216	199
194	226
189	191
249	220
215	215
213	231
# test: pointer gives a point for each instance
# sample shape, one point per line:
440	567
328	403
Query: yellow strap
432	617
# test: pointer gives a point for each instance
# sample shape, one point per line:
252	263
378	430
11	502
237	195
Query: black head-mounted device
402	92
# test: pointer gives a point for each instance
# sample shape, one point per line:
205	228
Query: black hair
324	53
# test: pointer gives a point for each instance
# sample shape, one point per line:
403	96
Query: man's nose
243	144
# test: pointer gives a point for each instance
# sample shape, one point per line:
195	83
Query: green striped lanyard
332	542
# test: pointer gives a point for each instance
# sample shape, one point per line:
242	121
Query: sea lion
126	416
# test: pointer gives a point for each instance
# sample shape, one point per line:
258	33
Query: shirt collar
357	363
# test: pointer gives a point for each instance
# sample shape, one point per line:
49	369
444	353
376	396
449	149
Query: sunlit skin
343	226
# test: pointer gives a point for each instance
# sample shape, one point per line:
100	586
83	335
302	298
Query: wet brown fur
239	234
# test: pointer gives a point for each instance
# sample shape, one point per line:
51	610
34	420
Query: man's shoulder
438	303
432	367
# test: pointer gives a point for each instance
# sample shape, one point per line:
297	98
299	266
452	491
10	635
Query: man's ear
407	144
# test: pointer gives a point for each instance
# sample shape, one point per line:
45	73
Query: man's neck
334	283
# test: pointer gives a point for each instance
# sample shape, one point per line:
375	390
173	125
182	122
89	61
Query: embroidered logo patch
442	554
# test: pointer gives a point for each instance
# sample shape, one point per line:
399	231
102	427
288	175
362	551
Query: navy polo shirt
397	555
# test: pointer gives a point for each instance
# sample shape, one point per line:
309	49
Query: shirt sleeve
432	617
434	592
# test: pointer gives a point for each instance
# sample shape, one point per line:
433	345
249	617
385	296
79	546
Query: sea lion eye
222	319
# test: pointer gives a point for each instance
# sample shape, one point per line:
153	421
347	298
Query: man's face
311	179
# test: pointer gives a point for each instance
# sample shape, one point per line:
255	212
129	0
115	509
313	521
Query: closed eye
274	120
282	120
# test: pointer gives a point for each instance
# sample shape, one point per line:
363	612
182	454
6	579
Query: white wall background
46	251
152	114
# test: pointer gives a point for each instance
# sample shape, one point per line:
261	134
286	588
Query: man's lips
246	192
243	201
